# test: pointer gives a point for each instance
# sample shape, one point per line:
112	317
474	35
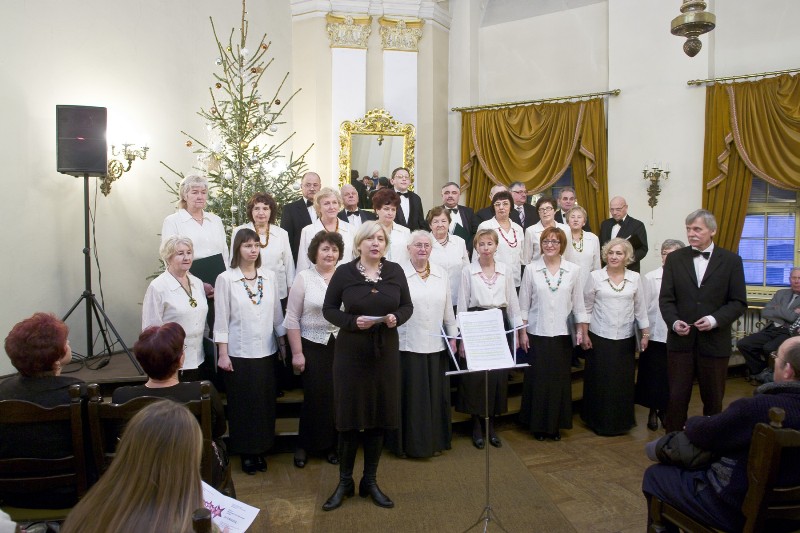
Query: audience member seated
715	495
779	313
160	352
38	349
153	484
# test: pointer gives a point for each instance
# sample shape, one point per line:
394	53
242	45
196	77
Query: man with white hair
351	213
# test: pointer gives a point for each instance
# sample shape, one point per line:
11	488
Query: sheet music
227	512
484	338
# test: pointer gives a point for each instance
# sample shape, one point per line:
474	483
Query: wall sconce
653	174
692	22
116	167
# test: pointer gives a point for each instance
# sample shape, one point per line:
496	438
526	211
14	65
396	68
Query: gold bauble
277	102
218	85
256	149
243	144
228	49
188	144
213	110
264	46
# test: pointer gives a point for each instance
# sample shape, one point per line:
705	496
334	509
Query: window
564	181
768	247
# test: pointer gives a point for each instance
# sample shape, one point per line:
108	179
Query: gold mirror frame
375	122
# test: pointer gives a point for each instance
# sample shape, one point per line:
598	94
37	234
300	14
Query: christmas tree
240	155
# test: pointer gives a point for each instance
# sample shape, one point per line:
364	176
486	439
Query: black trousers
754	348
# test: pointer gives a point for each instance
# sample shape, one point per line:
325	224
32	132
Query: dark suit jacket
778	307
531	216
722	294
295	217
559	218
416	219
482	215
365	215
469	223
630	227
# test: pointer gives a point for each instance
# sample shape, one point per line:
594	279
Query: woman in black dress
366	365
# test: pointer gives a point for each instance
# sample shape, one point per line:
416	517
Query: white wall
151	64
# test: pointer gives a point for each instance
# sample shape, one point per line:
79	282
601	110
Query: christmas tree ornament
256	149
277	102
273	128
234	209
264	46
188	144
218	85
218	61
243	144
213	110
245	52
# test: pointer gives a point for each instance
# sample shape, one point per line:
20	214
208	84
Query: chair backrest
106	421
29	475
764	500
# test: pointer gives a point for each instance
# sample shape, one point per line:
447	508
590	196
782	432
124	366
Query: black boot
373	445
348	446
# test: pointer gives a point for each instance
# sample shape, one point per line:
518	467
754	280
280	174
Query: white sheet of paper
227	512
485	342
376	319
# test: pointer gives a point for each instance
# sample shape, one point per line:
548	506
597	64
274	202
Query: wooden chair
764	502
29	475
106	421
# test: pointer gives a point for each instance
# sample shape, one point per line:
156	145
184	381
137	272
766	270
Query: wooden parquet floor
594	481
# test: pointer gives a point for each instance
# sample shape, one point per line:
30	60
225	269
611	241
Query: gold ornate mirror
375	142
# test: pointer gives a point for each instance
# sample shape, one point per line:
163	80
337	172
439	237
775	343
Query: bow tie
453	210
696	252
405	194
351	213
309	203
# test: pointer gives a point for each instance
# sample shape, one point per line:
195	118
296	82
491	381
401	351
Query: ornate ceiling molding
348	31
434	11
400	34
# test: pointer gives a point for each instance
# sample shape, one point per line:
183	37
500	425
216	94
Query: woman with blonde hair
327	204
153	483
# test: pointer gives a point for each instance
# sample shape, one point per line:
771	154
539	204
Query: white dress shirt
166	301
207	239
612	313
347	232
405	205
452	257
532	237
354	219
616	227
398	243
249	330
652	284
455	218
545	309
474	292
509	247
588	258
304	308
433	307
276	256
701	263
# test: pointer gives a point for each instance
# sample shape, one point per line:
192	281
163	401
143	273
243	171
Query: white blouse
433	307
452	257
546	309
612	313
166	301
207	239
474	292
248	329
509	247
532	237
652	284
588	258
304	308
276	256
398	243
347	232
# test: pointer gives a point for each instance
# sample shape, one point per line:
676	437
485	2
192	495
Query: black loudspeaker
81	140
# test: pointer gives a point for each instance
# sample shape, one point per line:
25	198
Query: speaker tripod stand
93	307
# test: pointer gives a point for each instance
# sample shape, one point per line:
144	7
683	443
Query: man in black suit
699	315
625	227
300	213
462	218
355	181
566	201
351	213
410	213
523	213
487	213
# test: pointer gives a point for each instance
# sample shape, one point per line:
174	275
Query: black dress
366	365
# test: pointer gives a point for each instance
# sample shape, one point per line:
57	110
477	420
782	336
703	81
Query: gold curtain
535	145
752	128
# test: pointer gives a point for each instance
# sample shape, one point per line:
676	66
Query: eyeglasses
546	209
551	243
521	191
502	204
422	246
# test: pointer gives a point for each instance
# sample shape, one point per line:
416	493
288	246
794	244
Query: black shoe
261	464
380	499
495	441
333	457
556	436
478	442
345	489
539	436
300	458
249	465
661	414
652	420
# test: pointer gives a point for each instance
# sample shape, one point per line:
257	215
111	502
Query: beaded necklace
266	235
425	272
579	244
192	301
361	268
547	279
446	240
251	294
489	281
509	243
613	288
336	229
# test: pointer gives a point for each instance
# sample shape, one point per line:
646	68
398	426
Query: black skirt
652	385
251	404
608	385
547	390
317	418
